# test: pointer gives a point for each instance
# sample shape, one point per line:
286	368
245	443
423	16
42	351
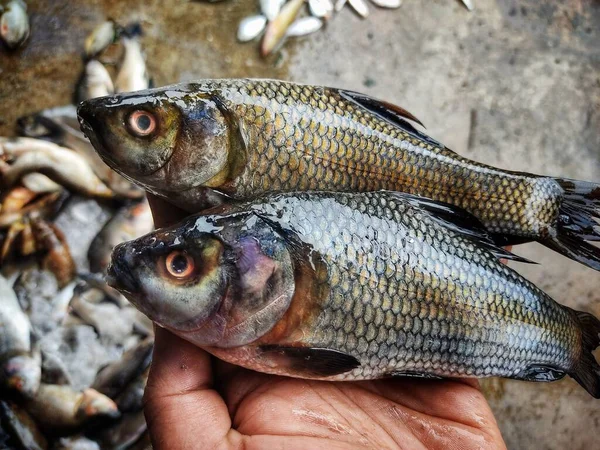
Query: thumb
182	410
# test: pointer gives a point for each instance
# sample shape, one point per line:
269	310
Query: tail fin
578	222
587	371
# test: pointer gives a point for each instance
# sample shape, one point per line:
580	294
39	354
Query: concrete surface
515	84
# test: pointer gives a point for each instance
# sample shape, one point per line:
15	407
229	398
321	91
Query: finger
181	408
164	213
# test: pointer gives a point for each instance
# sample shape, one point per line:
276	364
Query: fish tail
586	370
578	222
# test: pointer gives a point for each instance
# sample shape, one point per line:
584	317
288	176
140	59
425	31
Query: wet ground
515	84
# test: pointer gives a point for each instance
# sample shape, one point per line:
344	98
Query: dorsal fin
387	111
460	221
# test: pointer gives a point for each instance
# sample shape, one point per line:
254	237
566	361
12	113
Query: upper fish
200	143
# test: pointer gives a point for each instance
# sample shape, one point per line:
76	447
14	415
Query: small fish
271	8
112	379
44	207
78	442
124	433
321	8
342	286
251	27
39	183
132	75
340	4
21	427
130	222
16	199
277	28
60	126
60	164
468	4
96	81
361	8
131	399
63	408
304	26
388	3
20	369
101	37
202	143
57	255
14	24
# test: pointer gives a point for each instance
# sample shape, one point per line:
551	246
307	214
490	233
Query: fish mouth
119	275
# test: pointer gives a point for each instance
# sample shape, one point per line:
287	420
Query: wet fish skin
354	286
263	136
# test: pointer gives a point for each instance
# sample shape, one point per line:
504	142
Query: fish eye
141	123
179	264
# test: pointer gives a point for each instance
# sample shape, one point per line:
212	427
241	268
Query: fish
113	378
347	286
63	408
77	442
388	3
277	28
128	223
131	399
60	126
271	8
16	199
251	27
304	26
321	8
57	255
361	7
95	82
468	4
132	75
20	366
202	143
14	24
60	164
101	37
23	429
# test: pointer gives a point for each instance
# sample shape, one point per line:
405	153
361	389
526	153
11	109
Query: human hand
194	401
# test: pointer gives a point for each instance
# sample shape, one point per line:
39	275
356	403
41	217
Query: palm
194	401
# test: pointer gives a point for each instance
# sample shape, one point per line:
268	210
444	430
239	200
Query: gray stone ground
515	84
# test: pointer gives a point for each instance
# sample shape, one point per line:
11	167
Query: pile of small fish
332	239
14	23
74	354
281	19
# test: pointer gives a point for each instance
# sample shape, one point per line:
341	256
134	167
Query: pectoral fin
309	362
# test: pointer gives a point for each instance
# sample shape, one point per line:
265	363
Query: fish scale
307	138
421	299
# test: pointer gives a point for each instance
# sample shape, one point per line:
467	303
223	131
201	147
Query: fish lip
118	275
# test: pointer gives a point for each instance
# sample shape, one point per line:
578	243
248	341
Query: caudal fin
587	371
578	223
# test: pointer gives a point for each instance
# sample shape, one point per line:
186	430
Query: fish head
220	282
165	139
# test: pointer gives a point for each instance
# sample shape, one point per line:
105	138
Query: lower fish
341	286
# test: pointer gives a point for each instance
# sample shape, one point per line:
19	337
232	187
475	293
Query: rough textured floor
515	84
